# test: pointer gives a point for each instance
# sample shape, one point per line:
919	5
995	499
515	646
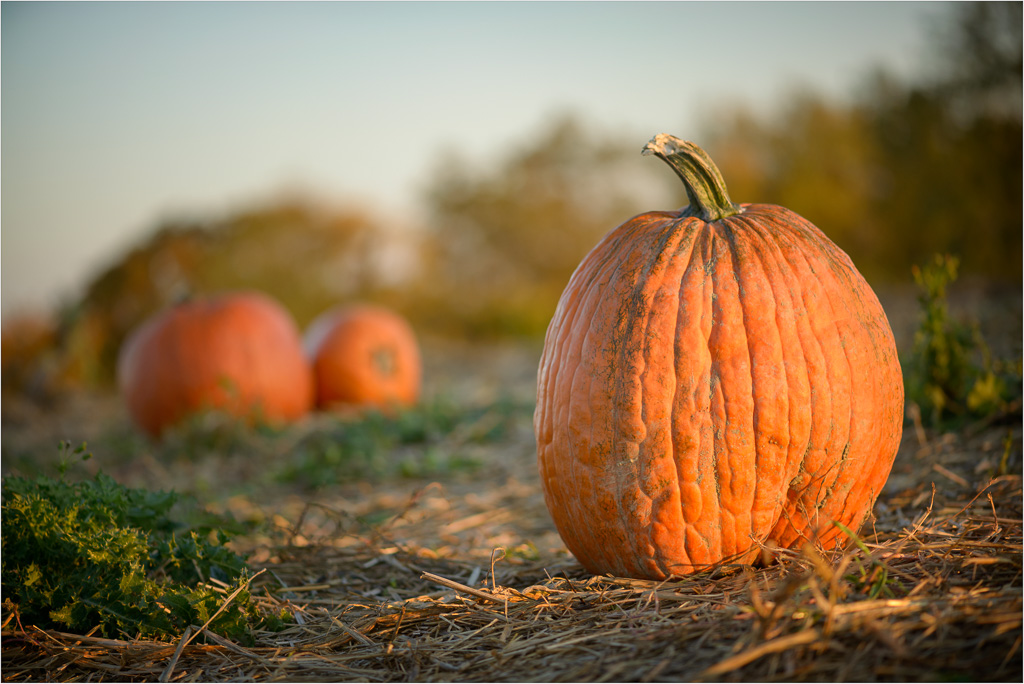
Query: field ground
452	571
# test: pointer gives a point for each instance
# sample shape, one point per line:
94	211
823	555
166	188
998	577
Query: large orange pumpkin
713	379
237	352
364	356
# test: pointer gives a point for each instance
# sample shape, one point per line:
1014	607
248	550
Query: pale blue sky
116	116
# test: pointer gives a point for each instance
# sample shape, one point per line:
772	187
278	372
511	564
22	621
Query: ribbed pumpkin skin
237	352
706	386
364	356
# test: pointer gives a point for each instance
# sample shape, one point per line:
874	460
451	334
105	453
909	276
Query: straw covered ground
463	578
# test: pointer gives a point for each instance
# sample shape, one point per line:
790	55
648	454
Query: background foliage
895	174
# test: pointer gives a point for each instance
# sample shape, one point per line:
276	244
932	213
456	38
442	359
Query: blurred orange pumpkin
237	352
364	355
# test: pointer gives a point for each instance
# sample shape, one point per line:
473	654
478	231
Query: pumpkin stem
705	188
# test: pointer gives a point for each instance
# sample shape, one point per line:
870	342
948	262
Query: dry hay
469	582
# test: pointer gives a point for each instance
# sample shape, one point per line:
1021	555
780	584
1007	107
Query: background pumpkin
238	352
713	378
364	355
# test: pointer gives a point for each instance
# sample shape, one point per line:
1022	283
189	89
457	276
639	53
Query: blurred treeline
894	174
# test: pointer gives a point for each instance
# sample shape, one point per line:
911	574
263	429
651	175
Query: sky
119	116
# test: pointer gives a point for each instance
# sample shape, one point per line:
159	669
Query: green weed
950	373
425	441
872	577
96	554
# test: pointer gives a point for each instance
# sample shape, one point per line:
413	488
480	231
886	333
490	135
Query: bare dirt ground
460	576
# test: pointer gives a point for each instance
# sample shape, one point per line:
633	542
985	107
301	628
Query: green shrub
950	374
89	554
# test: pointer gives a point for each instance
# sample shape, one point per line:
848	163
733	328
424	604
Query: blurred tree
816	158
950	184
307	257
906	170
26	345
146	279
980	59
503	242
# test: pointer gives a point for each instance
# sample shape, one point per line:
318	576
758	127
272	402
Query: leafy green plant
97	554
872	577
423	441
950	373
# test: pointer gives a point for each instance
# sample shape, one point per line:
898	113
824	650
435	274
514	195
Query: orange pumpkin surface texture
237	352
713	378
364	356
